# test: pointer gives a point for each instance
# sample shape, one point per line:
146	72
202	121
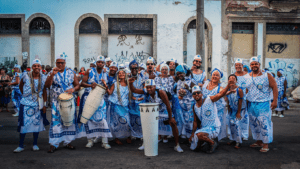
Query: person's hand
172	121
94	85
200	84
273	105
104	83
44	110
140	99
192	136
193	68
186	86
238	116
104	69
55	70
131	80
70	91
133	98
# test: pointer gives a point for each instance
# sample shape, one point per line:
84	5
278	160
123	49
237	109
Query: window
130	26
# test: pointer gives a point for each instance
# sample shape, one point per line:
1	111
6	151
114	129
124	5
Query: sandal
231	143
128	140
52	149
70	147
212	148
118	142
264	150
255	145
237	145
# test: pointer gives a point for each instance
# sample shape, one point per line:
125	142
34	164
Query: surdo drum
92	103
66	108
149	118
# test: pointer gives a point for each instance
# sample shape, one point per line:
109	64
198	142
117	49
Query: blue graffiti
289	72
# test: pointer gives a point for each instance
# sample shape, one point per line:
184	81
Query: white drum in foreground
92	103
81	92
149	118
66	108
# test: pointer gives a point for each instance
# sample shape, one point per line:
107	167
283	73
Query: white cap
173	60
198	57
62	56
150	60
36	61
113	64
196	88
150	82
101	58
254	59
238	61
108	59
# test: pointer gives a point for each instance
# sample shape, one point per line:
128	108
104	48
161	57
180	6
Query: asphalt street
284	151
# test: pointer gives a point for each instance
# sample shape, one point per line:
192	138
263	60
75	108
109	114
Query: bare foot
128	140
118	142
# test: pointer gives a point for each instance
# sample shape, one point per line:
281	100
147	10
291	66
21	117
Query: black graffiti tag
121	40
277	47
138	40
89	60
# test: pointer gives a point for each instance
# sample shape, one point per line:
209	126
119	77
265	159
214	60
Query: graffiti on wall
290	67
8	63
130	47
89	60
277	47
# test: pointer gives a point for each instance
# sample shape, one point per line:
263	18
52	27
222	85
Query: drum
149	118
81	91
66	108
92	103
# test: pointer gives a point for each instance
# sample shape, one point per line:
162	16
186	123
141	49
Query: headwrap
183	68
62	56
197	57
17	66
93	63
164	65
238	61
150	82
196	88
281	71
143	66
133	63
151	60
173	60
254	59
101	58
36	61
247	67
108	59
216	69
115	64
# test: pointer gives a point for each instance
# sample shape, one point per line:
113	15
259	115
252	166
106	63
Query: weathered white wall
89	48
191	46
125	48
170	19
291	69
40	48
11	46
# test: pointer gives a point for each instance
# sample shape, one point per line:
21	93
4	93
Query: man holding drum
62	80
97	125
31	118
166	117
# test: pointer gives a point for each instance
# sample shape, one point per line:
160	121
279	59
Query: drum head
65	96
101	86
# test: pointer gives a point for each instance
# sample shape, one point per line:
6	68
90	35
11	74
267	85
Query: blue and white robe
167	84
234	123
259	108
119	113
199	78
134	110
242	83
97	126
186	105
220	106
16	94
210	123
163	129
31	118
280	85
58	132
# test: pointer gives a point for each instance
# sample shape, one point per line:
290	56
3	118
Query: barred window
39	25
10	26
130	26
89	25
283	28
242	28
192	25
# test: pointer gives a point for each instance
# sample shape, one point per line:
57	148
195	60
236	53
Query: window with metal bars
89	25
192	25
242	28
39	25
142	26
10	26
283	28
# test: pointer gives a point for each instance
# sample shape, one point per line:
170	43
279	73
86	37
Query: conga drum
149	118
66	108
92	103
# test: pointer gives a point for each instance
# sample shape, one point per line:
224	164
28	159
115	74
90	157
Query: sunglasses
196	93
197	61
136	68
149	64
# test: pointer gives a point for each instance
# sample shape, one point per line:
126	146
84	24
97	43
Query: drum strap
33	90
